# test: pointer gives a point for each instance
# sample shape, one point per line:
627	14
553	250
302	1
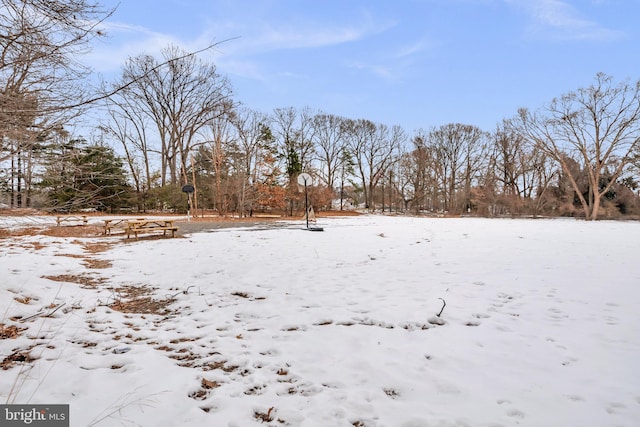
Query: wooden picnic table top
115	221
150	223
71	218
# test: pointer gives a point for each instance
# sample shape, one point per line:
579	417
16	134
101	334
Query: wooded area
173	120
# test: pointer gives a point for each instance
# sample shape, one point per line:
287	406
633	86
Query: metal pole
189	207
306	203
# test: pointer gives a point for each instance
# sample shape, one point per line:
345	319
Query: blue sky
414	63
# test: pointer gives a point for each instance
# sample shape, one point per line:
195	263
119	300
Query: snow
280	326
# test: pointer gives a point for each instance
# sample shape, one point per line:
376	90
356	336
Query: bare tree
522	174
375	149
40	42
416	175
330	143
599	125
359	133
254	142
39	45
43	84
180	95
514	167
129	126
544	172
459	153
221	142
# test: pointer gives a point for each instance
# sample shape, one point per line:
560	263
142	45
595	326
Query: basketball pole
306	203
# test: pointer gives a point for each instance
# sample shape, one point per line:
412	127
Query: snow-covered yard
244	326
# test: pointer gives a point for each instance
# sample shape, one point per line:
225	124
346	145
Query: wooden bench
73	219
118	224
149	226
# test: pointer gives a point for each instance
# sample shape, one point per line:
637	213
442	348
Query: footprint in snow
613	321
516	413
557	314
615	407
505	298
481	315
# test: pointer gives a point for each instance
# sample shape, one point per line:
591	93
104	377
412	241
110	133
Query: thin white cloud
378	70
264	38
295	38
289	75
412	49
258	38
560	20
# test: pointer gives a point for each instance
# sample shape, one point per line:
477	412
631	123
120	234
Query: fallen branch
41	313
444	304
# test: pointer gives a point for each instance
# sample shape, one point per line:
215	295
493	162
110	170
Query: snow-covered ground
337	328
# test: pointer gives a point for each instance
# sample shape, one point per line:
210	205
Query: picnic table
72	219
121	223
136	227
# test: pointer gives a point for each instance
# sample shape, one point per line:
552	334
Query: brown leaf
207	384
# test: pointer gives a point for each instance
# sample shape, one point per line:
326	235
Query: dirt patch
95	248
96	263
23	300
73	231
24	231
80	279
16	357
137	299
10	332
70	255
54	231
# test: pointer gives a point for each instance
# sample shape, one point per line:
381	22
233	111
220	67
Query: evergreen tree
294	165
80	176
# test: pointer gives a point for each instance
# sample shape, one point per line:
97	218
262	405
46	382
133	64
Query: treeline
173	120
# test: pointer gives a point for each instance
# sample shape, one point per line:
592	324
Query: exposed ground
192	225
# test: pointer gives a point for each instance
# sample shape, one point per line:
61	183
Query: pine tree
80	176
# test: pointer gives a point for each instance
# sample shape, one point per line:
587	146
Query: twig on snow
42	313
444	303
